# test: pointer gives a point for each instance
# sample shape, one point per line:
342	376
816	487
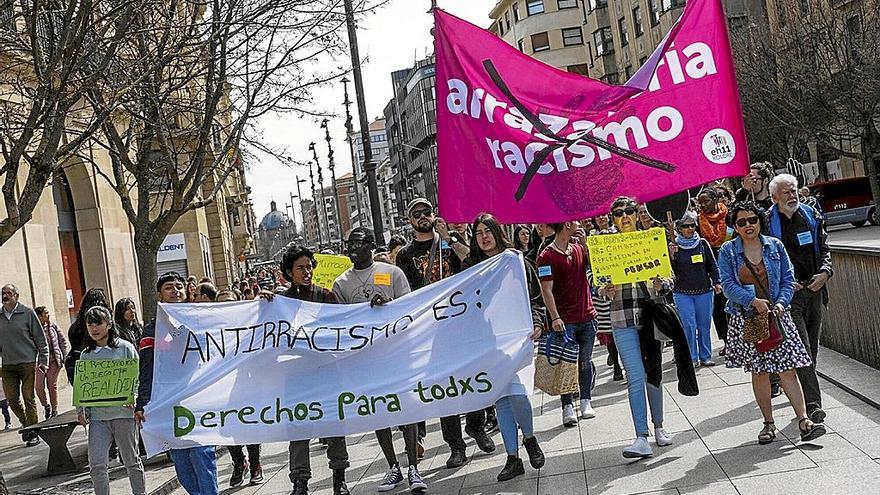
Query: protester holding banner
626	319
758	279
424	261
514	409
713	227
108	424
562	269
379	283
297	265
696	283
196	467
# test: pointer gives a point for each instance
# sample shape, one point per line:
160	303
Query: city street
715	451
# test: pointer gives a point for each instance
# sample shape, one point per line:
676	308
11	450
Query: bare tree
813	75
51	54
214	68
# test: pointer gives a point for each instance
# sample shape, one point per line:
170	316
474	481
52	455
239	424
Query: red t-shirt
571	288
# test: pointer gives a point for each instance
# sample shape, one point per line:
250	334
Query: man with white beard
802	230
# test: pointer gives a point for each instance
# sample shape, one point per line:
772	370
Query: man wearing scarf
696	282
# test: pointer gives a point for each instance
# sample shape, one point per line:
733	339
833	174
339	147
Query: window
655	12
612	78
500	28
628	72
566	4
604	42
507	21
535	7
637	21
590	51
578	69
598	4
642	60
572	36
519	44
540	42
624	35
515	12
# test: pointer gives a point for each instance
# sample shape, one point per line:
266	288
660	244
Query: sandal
812	431
768	433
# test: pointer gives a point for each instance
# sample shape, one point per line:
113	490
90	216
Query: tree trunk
870	144
145	248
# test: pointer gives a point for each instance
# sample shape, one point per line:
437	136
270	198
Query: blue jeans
196	469
585	335
696	318
630	352
514	412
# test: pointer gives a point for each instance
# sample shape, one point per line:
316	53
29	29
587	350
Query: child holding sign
109	423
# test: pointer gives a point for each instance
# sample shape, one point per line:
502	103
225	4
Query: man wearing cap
432	256
378	283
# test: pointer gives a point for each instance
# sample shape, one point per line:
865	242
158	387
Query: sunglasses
421	213
625	211
742	222
689	226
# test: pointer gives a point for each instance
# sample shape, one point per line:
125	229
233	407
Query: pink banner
531	143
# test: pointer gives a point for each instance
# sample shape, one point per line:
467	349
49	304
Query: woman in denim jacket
746	289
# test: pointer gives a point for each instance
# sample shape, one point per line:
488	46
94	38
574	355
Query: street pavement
715	451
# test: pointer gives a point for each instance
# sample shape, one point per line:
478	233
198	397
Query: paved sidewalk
715	451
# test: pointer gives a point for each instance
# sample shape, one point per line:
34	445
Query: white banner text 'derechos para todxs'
258	372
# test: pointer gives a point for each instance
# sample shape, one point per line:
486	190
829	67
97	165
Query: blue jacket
780	274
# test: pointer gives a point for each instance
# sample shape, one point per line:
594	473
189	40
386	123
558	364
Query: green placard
109	382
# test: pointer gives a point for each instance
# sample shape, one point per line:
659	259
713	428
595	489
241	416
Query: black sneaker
775	390
32	441
512	469
416	484
536	455
484	442
339	486
256	475
47	410
238	471
456	460
618	375
817	415
491	424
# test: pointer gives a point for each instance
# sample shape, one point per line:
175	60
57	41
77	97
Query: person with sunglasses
627	301
696	283
758	278
429	258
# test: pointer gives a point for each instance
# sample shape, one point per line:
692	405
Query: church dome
274	220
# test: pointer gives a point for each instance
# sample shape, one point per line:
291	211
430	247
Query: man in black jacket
297	266
802	230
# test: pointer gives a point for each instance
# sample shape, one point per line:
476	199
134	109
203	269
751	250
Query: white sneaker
640	448
569	418
661	438
587	411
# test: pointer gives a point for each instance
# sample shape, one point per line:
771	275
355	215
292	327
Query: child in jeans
109	423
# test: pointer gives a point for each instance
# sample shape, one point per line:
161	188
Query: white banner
258	372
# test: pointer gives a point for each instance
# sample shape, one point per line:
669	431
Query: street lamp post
349	130
299	194
315	205
323	208
369	163
332	167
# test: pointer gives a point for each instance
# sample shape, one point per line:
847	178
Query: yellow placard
330	266
697	258
629	258
382	279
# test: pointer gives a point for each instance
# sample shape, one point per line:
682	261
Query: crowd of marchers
747	261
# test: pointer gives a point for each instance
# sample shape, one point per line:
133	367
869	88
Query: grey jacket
22	340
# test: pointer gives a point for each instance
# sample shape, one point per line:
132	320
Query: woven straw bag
556	369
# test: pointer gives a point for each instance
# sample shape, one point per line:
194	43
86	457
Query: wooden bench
56	432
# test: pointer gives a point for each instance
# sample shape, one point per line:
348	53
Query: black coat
664	318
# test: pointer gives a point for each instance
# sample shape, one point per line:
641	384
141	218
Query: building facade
411	127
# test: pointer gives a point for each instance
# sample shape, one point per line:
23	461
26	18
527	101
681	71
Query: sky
391	39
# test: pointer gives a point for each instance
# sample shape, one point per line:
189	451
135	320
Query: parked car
846	201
